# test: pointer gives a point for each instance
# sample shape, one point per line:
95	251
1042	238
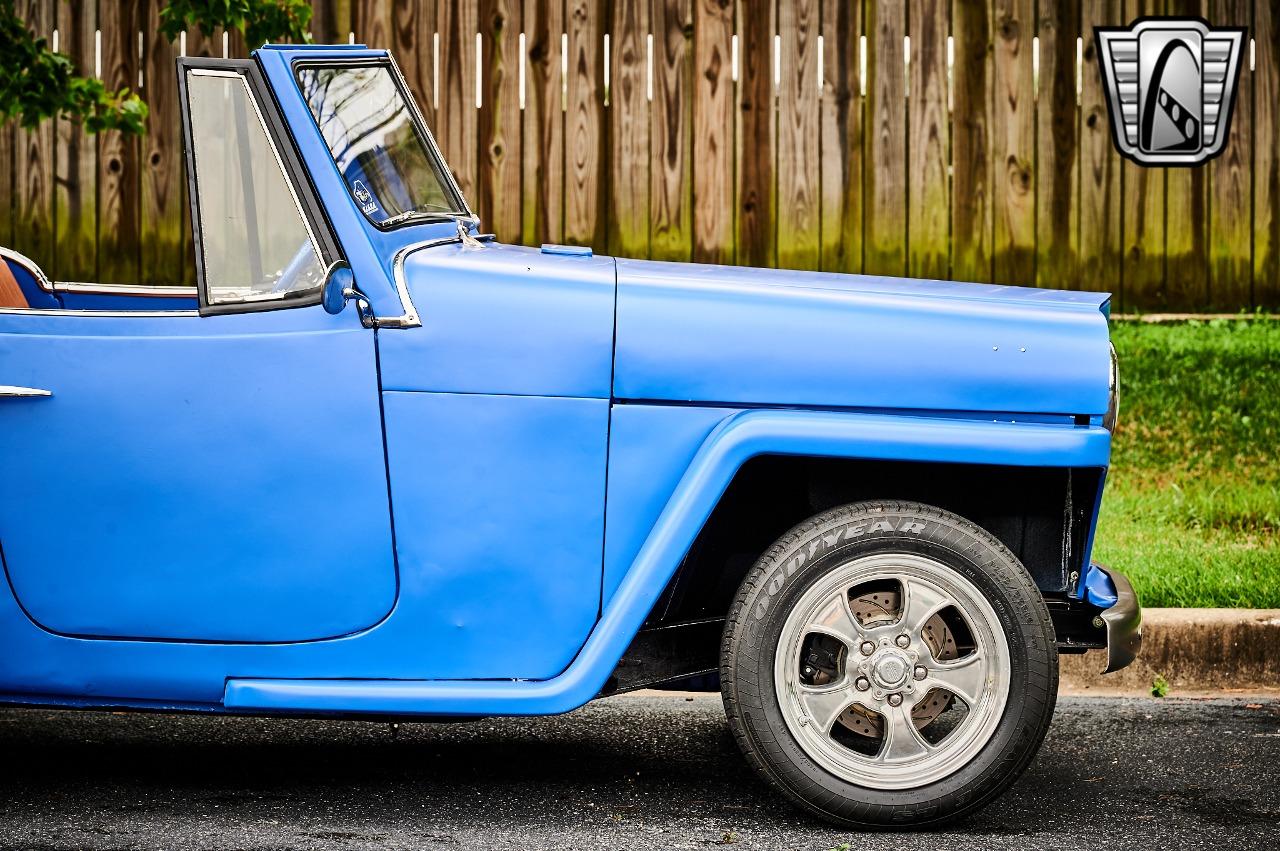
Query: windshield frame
416	120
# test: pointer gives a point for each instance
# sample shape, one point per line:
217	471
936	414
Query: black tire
768	594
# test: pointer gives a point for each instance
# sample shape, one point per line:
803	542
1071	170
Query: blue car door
213	476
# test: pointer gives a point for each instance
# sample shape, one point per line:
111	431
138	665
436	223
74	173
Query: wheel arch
1035	486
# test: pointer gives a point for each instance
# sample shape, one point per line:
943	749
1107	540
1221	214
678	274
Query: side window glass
255	243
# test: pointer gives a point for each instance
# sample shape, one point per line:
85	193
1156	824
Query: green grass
1192	510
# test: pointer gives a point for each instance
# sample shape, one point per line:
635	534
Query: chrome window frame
248	73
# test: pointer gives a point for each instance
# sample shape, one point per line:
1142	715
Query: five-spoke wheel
889	663
880	675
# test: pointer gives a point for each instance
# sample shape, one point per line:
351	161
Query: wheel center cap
891	669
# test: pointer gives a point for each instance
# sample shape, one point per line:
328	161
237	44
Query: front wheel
889	663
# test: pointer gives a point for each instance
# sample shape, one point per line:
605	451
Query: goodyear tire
889	664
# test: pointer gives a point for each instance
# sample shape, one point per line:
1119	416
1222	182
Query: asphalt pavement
624	773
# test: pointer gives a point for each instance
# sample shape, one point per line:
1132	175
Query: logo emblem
364	197
1171	86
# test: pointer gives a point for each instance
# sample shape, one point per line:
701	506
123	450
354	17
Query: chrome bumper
1123	622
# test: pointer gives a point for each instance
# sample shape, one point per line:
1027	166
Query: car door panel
499	511
217	479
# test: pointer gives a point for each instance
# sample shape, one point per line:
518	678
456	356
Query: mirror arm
363	305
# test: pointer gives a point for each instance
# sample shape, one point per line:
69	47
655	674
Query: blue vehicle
378	464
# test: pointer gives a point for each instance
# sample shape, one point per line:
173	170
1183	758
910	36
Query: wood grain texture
971	208
543	217
119	208
1266	157
713	143
163	170
371	21
331	20
1100	191
8	183
671	132
457	135
76	159
840	162
1143	215
885	249
1057	147
1230	183
586	154
33	213
929	141
499	120
413	28
799	203
629	131
1013	153
755	133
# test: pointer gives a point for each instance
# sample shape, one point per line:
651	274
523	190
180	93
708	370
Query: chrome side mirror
339	287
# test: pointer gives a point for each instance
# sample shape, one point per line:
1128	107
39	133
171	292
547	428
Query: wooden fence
965	139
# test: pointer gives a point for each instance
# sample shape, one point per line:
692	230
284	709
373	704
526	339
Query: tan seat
11	294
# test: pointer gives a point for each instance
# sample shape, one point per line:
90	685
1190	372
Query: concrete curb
1195	650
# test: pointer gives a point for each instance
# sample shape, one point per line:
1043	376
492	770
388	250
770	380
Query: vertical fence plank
971	207
928	157
1230	181
500	133
118	175
886	140
755	134
371	22
331	20
1100	195
1186	222
75	240
543	216
841	137
713	149
798	200
671	135
1057	147
33	215
1266	157
1142	215
163	185
586	154
1013	155
629	130
458	24
8	183
413	30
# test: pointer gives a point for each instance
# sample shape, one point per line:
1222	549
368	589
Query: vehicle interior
25	286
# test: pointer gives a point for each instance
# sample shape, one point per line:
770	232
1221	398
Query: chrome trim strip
12	391
85	288
34	268
410	318
119	314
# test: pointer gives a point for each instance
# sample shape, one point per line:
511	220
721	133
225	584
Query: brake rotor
876	609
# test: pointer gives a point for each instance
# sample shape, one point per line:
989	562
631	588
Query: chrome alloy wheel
886	672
